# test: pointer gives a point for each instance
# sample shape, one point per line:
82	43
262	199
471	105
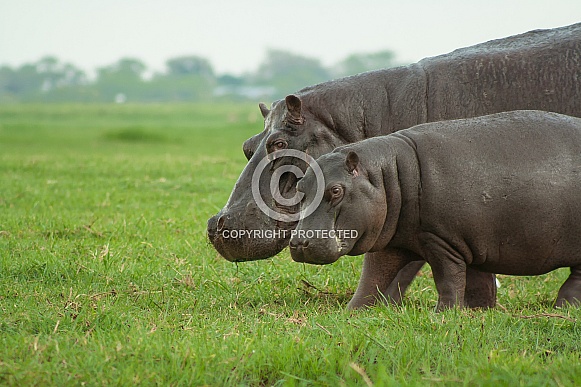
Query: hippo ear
352	161
263	109
294	106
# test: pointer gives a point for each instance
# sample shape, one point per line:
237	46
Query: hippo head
350	216
247	229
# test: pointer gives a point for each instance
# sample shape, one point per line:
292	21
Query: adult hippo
536	70
498	193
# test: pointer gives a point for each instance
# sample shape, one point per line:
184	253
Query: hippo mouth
324	249
248	250
245	244
317	251
303	254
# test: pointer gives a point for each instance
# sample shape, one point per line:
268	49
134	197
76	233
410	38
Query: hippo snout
313	251
240	234
216	224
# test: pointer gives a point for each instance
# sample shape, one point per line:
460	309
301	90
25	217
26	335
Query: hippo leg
379	270
449	270
480	286
404	278
451	285
480	289
570	292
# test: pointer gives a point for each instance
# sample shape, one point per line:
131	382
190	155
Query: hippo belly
521	225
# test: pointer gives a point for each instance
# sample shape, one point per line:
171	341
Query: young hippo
498	193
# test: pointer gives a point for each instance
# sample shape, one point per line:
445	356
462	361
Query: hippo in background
536	70
498	193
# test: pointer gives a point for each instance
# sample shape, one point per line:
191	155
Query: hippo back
538	70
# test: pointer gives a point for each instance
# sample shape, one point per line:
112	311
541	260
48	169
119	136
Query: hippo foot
480	292
442	306
563	302
570	292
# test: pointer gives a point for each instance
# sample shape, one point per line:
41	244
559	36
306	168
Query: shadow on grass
136	134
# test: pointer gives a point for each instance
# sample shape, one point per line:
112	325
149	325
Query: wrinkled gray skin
536	70
497	193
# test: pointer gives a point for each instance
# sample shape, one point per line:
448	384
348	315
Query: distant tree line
187	78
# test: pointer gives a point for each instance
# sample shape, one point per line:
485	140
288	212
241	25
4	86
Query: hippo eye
280	144
336	194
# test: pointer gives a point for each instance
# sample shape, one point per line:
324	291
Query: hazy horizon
235	36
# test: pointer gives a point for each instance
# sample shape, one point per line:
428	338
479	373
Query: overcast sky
235	34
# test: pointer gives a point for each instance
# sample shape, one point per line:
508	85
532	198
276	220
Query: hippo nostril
220	225
298	243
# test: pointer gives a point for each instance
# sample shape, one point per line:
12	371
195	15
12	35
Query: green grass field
107	277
